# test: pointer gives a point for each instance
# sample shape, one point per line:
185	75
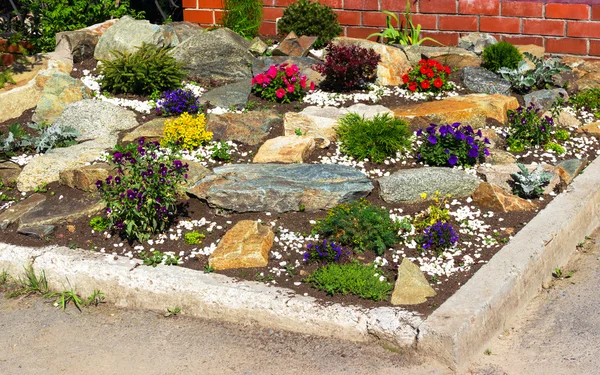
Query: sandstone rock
499	157
413	53
14	212
60	90
304	64
483	81
227	96
467	109
196	172
495	198
9	172
456	58
281	187
152	130
569	169
492	136
84	178
394	62
250	128
500	175
412	288
82	43
593	128
246	245
286	149
218	54
407	185
51	213
126	36
294	46
476	42
97	119
258	47
565	119
536	51
543	99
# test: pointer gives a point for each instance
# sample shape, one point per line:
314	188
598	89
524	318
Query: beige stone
152	130
536	51
412	288
592	128
495	198
499	157
9	172
286	149
471	110
456	58
393	65
84	178
246	245
322	131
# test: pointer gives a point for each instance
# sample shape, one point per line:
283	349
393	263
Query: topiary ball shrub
501	55
150	68
376	139
305	17
348	67
359	225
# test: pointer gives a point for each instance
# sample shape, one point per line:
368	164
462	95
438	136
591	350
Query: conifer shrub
306	17
501	55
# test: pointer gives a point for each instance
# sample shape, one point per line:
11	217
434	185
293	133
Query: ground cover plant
523	79
348	67
450	145
428	76
530	185
45	137
306	17
587	100
281	83
501	55
186	132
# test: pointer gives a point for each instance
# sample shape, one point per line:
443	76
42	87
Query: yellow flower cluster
186	132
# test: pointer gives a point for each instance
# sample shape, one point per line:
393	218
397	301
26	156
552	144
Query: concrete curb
209	296
481	307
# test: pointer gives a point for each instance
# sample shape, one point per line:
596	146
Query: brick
189	4
8	59
500	25
199	16
281	3
596	12
360	32
566	45
437	6
348	18
335	4
569	11
522	9
481	7
458	23
271	14
267	28
595	47
218	16
448	39
374	19
544	27
397	5
583	29
269	3
361	4
524	40
210	4
427	21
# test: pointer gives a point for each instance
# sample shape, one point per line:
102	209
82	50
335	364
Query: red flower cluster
428	76
281	83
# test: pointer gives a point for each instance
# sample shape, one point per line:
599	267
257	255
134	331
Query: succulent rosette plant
428	76
281	83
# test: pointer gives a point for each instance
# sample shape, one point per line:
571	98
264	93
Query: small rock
412	288
565	119
14	212
250	128
569	169
476	42
543	99
500	175
39	232
500	157
246	245
294	46
495	198
456	58
84	178
482	80
258	47
9	172
592	128
70	228
152	130
196	172
286	149
233	95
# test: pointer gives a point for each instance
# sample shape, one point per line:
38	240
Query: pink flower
280	93
291	70
258	79
272	72
303	83
290	88
312	86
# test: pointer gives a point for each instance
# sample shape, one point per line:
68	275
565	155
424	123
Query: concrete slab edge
480	308
208	295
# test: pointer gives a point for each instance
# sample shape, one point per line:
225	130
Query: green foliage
587	100
530	185
63	298
527	128
562	135
434	213
243	16
95	298
555	147
194	238
172	311
15	139
360	225
351	278
31	283
99	223
142	72
501	55
157	257
305	17
220	151
6	77
522	79
52	136
50	17
375	139
408	34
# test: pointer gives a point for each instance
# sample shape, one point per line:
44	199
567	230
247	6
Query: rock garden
366	172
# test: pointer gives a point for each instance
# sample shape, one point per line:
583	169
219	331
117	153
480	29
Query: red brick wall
560	28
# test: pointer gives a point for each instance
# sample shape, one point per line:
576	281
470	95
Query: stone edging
456	330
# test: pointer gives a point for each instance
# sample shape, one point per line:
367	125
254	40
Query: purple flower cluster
438	237
324	252
528	128
174	103
451	145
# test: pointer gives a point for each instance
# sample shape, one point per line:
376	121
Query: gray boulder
281	187
476	42
218	54
81	44
407	185
251	128
543	99
231	95
126	35
483	81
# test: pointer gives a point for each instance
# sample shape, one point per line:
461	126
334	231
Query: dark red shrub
348	67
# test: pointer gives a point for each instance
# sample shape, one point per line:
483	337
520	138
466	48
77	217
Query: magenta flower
280	93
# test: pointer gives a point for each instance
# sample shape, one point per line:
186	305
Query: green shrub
310	18
194	238
352	278
243	16
375	139
142	72
501	55
359	225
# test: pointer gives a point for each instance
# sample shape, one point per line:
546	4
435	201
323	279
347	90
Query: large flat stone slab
281	188
54	211
14	212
